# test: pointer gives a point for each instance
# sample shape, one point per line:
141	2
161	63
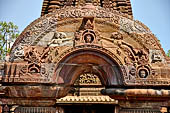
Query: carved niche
156	56
143	72
86	33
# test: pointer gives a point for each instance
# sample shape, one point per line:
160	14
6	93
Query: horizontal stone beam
138	94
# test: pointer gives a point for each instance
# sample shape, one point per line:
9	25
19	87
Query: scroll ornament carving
134	58
138	56
18	54
130	26
45	24
39	61
33	33
148	40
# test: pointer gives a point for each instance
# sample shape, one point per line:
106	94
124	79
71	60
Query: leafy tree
8	33
168	54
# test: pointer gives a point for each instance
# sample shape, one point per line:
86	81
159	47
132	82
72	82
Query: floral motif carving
38	61
88	79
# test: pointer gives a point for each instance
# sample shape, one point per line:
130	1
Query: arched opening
96	62
86	72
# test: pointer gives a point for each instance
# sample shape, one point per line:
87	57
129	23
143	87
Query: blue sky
153	13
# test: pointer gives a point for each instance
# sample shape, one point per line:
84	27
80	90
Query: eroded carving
2	68
47	70
130	26
60	39
131	76
156	56
148	40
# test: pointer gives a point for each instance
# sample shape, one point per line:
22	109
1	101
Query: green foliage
168	54
8	33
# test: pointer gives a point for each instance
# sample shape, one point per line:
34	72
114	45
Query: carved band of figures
45	24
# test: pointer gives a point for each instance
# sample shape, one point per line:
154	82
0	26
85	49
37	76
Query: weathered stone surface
54	50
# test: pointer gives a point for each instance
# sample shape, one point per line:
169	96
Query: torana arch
54	50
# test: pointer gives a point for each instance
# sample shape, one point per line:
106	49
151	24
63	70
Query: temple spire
123	6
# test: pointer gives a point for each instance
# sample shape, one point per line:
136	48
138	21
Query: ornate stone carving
18	54
106	3
143	73
89	24
35	109
39	28
148	40
38	62
47	70
2	68
88	79
130	26
46	39
138	56
117	38
60	39
156	56
131	74
45	44
35	32
38	54
96	43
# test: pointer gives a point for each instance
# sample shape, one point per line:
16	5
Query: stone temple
85	56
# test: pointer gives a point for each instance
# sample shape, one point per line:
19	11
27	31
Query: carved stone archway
55	49
77	62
